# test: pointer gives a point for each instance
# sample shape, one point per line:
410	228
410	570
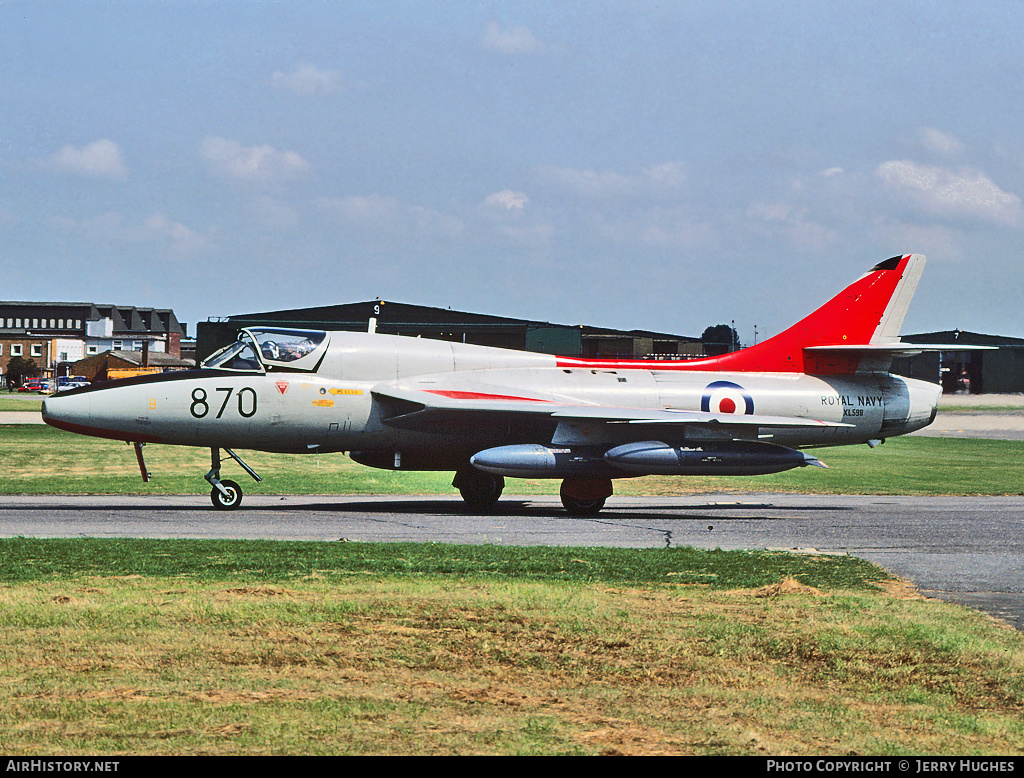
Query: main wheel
576	507
229	501
480	490
585	496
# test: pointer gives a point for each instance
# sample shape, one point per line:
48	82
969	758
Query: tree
720	339
19	368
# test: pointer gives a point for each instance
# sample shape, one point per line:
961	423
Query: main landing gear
480	490
585	496
580	496
226	494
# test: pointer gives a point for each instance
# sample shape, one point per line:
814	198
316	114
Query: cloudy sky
654	165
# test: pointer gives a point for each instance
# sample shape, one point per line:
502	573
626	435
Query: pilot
270	351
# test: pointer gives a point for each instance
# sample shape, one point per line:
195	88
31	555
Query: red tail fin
869	312
858	329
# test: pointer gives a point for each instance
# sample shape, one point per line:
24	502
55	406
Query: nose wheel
226	494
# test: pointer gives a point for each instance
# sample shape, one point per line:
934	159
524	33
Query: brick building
54	335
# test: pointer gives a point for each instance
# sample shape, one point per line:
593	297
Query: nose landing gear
226	494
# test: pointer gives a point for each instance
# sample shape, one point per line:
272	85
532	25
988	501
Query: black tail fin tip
888	264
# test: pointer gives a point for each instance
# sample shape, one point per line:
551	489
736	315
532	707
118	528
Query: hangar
1000	370
996	371
394	318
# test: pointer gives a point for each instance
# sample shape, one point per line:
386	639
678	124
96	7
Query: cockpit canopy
264	349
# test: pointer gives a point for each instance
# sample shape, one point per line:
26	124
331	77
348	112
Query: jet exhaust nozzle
726	458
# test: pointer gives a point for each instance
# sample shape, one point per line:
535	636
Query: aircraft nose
72	413
103	412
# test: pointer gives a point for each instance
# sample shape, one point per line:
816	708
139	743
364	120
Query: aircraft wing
456	411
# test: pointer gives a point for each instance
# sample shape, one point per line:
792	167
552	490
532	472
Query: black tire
229	501
480	490
576	507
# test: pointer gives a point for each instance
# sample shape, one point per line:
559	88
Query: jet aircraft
486	413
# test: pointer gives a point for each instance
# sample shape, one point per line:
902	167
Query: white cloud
174	233
307	80
505	214
510	40
946	192
940	142
101	159
507	199
252	163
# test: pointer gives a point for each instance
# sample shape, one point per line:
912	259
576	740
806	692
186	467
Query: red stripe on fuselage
456	395
703	363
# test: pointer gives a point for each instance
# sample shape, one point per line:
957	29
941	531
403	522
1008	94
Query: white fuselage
333	407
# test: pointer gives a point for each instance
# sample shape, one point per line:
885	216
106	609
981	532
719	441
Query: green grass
28	559
21	402
996	409
120	646
112	648
42	460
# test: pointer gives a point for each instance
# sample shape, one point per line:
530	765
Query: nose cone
68	412
99	412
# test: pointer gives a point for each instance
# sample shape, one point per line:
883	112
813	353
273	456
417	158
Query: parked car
31	385
67	382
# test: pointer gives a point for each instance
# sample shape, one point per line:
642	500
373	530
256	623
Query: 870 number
245	401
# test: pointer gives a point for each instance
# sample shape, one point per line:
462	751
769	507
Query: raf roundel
726	397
